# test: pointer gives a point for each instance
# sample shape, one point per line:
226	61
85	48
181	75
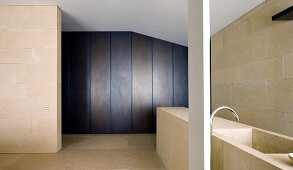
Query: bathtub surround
252	68
30	83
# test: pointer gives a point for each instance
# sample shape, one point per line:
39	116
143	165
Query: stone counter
172	137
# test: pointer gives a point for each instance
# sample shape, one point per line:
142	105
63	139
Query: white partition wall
199	84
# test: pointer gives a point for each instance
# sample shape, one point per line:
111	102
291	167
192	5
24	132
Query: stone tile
253	71
142	141
234	33
28	17
258	20
37	73
12	16
274	68
278	38
2	39
42	126
7	159
14	56
33	107
101	159
145	159
60	161
2	108
16	126
252	95
237	53
117	158
213	96
106	142
28	56
8	73
258	47
217	52
288	66
73	142
254	50
280	96
37	90
221	94
226	76
274	121
270	69
147	169
41	17
250	116
96	142
13	91
282	122
21	38
43	57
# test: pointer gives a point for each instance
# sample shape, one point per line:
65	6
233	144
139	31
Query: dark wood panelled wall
112	82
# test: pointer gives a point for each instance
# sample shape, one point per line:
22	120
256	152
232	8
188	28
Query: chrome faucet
221	108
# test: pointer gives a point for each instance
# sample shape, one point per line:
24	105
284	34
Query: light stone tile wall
252	68
30	79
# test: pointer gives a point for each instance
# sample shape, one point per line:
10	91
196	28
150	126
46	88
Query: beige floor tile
101	159
92	152
146	141
57	161
149	169
107	142
73	142
145	159
7	159
95	142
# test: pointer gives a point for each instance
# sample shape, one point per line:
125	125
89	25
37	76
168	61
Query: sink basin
263	141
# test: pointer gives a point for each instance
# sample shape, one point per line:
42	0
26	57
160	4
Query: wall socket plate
46	108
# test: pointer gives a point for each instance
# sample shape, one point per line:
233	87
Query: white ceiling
224	12
163	19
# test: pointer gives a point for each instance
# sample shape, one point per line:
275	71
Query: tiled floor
82	152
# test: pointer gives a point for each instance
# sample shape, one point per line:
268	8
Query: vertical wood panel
162	75
113	82
142	119
120	82
180	59
100	83
78	77
65	83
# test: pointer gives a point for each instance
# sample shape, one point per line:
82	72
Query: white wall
199	84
